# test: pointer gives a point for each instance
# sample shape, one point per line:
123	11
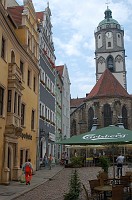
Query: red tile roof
76	102
107	86
60	69
40	15
16	14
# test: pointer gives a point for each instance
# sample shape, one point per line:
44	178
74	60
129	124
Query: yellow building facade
19	88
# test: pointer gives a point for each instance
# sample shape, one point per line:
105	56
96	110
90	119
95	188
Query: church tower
109	48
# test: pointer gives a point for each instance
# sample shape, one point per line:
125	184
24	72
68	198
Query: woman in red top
28	170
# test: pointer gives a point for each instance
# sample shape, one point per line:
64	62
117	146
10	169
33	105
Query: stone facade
18	90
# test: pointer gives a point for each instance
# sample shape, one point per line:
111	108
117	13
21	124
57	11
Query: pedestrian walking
50	161
45	160
119	160
28	170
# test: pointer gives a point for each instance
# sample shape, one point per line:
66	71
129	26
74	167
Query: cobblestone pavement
55	188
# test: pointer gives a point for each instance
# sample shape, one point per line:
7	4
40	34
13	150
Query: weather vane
107	2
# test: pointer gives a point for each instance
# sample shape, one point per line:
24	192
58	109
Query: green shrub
104	163
77	161
75	188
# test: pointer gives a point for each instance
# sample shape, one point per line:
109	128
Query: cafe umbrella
111	135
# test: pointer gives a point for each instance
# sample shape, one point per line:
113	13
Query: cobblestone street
55	188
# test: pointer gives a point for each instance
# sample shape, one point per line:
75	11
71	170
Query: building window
107	115
109	44
15	103
12	57
73	128
3	48
28	79
26	155
19	101
21	158
1	100
34	84
22	114
32	119
124	117
90	118
21	67
9	101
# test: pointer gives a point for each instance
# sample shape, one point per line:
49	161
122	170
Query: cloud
74	23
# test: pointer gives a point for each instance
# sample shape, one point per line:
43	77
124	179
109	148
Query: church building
108	103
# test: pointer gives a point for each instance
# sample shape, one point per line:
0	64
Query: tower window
109	44
110	64
118	36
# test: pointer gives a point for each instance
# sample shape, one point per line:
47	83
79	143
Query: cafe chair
125	181
94	183
87	195
117	193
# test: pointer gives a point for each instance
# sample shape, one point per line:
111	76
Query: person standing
67	158
28	170
119	160
45	160
50	161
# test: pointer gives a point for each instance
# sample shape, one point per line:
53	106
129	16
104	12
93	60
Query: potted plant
104	164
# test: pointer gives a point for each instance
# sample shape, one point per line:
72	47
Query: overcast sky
74	23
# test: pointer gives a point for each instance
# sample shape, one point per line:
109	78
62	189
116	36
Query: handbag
22	178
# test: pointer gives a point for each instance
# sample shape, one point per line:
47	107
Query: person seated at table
119	160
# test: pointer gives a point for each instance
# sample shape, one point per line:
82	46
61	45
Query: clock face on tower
108	34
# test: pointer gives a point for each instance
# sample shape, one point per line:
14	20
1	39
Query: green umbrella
110	135
102	136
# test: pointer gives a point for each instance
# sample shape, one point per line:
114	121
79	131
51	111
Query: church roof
107	86
74	103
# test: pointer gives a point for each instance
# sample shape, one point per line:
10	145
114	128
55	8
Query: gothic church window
124	117
73	127
90	118
110	63
107	115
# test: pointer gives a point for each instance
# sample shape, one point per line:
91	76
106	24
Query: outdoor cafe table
104	188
